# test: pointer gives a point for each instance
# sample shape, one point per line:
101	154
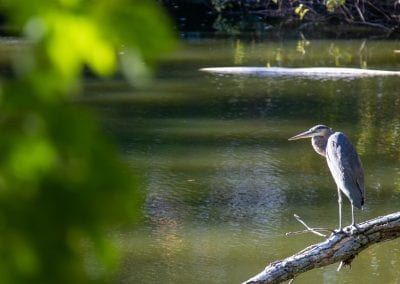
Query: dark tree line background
365	17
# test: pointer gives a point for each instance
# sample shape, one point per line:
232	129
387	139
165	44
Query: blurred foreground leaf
63	186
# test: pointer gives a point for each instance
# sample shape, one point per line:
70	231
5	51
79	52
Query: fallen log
311	73
342	246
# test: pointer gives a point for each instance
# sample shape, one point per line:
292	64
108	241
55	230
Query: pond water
222	181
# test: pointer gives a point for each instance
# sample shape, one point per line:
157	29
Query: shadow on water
221	180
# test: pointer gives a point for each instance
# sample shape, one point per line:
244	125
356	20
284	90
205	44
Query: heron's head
318	130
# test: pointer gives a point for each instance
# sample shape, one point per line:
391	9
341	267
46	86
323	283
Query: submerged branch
343	246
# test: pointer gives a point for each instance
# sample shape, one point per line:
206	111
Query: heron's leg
354	227
340	208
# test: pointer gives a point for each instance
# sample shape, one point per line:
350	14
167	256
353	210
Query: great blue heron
343	162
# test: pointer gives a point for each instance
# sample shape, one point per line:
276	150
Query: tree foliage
235	16
62	185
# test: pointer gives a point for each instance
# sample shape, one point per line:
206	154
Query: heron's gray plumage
343	162
346	168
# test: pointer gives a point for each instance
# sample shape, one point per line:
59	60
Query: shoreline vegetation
277	18
264	18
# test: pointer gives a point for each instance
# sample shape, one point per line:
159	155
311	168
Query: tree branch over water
342	247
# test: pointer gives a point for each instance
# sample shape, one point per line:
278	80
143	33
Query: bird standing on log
343	162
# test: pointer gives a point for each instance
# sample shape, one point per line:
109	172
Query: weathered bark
341	246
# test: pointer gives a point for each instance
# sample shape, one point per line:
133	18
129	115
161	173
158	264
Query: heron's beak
305	134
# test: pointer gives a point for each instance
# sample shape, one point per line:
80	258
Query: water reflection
237	184
249	185
221	180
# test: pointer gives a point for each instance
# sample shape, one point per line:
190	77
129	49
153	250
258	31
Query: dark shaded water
222	182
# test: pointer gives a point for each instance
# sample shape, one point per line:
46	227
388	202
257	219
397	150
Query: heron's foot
337	231
352	229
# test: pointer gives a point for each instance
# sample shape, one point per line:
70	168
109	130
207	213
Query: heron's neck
319	143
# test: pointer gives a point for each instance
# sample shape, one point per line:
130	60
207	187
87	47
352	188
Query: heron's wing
346	167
